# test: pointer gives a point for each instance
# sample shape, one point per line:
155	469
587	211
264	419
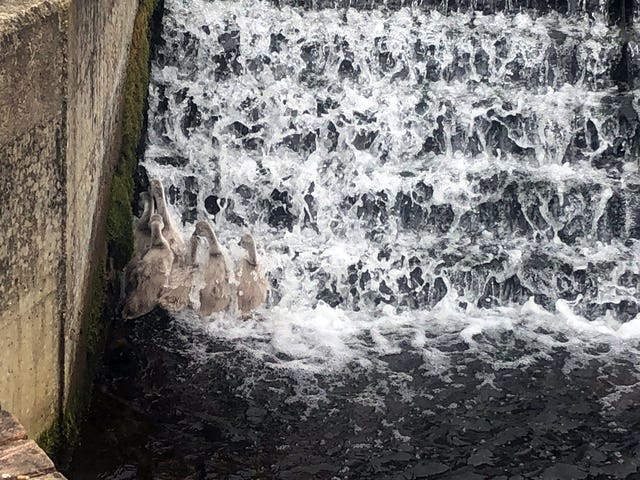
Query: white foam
300	332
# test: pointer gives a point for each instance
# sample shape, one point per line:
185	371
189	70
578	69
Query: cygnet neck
148	209
194	248
157	239
214	245
161	203
252	256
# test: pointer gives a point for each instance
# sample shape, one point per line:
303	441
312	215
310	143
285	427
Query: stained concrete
32	184
99	37
61	76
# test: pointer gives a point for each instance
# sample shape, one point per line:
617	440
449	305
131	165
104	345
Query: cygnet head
247	242
203	229
145	204
155	186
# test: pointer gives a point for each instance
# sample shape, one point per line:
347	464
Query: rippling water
448	207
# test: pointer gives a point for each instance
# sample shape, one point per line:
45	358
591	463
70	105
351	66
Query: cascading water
449	211
390	162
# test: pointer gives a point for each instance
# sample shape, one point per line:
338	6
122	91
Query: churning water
448	207
405	172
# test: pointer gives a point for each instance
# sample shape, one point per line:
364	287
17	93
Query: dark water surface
159	413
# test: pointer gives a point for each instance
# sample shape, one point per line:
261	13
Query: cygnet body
184	275
170	231
149	276
253	286
217	293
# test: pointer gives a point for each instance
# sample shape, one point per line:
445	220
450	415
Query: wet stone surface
176	403
20	458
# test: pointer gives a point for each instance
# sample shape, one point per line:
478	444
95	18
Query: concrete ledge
15	14
10	429
21	458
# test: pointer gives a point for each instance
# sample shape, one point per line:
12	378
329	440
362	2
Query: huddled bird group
164	271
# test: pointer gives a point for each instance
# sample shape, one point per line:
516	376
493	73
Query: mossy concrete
120	217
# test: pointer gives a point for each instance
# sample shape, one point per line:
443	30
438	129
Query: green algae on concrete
120	216
59	440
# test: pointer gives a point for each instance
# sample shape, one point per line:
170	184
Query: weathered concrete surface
62	64
32	162
99	35
19	457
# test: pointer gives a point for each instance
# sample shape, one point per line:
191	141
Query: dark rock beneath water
244	191
190	200
311	212
573	230
481	457
373	208
257	64
562	471
594	142
238	129
301	143
431	145
613	223
277	40
481	62
507	291
330	296
364	139
230	42
386	61
191	119
324	106
347	70
438	291
428	469
332	137
214	204
173	160
280	214
441	217
253	143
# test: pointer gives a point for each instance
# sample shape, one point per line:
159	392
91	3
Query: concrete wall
32	216
62	64
99	37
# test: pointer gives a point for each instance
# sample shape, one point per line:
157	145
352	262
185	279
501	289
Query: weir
445	196
490	158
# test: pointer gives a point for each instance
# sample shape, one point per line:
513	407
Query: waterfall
390	159
446	198
413	179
